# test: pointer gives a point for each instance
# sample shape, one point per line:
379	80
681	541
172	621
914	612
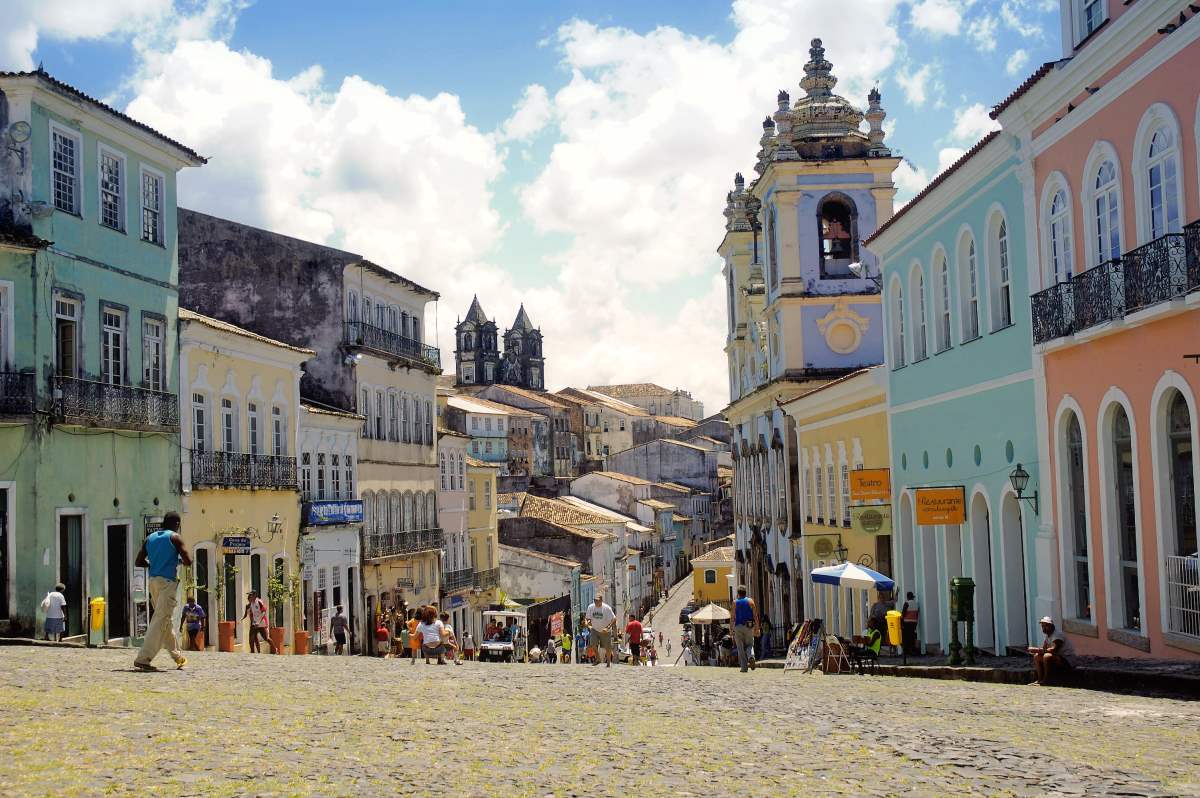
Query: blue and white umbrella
850	574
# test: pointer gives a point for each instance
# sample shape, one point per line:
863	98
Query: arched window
772	249
1126	518
917	300
968	272
352	306
837	224
1000	273
1105	204
1059	234
941	301
1183	482
710	576
1162	176
897	308
1076	496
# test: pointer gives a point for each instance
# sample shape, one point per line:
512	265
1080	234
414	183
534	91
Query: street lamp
841	551
1020	480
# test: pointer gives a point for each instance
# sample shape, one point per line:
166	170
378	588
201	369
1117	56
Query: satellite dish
19	132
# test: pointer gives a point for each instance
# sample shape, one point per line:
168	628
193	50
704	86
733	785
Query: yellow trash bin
893	627
97	607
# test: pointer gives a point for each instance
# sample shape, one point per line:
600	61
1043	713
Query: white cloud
916	84
909	179
530	115
147	24
947	156
982	31
1016	62
937	17
1010	13
971	123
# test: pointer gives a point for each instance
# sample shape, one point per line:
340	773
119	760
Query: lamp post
1019	478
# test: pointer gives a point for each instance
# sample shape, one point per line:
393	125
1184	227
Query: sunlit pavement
76	722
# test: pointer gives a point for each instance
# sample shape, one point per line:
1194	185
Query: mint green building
89	416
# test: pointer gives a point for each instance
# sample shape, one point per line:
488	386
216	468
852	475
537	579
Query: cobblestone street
76	722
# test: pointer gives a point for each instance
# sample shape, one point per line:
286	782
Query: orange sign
871	485
941	506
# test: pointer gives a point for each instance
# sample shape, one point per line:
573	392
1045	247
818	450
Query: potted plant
277	594
225	629
300	644
190	587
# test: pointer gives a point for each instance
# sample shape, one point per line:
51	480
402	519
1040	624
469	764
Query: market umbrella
709	613
850	574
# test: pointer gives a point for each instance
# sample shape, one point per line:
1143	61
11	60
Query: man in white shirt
603	620
1052	659
55	605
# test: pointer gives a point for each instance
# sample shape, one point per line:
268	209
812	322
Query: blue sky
572	155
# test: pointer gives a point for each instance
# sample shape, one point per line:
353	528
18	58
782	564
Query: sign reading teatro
941	506
871	485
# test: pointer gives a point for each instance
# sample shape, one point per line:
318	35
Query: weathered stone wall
274	285
539	535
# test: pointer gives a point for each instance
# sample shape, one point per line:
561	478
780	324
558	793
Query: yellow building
710	577
241	504
483	531
842	446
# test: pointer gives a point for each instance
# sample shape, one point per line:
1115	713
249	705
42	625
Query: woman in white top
55	605
430	630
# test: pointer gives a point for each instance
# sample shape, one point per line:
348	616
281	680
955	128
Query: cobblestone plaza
76	722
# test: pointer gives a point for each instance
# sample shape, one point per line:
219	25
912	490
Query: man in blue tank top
745	627
162	552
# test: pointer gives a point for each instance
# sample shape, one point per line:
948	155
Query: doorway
4	564
70	570
981	572
1015	609
118	600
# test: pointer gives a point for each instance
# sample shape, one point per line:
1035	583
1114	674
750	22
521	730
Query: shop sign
871	519
236	544
310	553
820	547
556	624
941	506
334	512
871	485
456	602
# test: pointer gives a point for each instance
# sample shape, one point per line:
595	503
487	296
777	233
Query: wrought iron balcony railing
1163	269
486	580
100	404
238	470
1156	272
18	393
457	580
399	544
358	333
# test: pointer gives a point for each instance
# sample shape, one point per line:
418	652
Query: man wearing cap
1052	658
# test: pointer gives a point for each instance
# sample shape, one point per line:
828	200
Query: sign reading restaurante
941	506
871	519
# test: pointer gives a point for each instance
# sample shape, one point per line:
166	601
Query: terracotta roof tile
722	554
631	389
560	512
622	477
1025	86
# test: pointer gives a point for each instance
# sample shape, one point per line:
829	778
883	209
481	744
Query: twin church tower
477	356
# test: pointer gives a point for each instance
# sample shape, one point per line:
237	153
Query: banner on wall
871	485
871	519
941	506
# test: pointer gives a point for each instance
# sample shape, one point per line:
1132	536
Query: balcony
399	544
1183	596
1164	269
18	393
238	470
100	404
457	580
377	339
486	580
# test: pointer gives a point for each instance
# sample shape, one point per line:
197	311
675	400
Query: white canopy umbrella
709	613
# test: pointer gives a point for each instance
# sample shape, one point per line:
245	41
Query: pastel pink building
1111	134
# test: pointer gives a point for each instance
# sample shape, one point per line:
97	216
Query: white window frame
896	303
103	151
113	338
201	422
161	210
76	318
76	208
154	349
920	338
1082	30
279	447
943	334
968	285
229	424
253	429
1158	117
1095	229
1059	246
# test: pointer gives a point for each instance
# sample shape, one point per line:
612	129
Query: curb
34	643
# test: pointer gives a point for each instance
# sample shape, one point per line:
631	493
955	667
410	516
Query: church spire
476	314
522	322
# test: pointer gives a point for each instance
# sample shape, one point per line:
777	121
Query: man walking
603	622
745	628
633	632
162	552
338	625
256	610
